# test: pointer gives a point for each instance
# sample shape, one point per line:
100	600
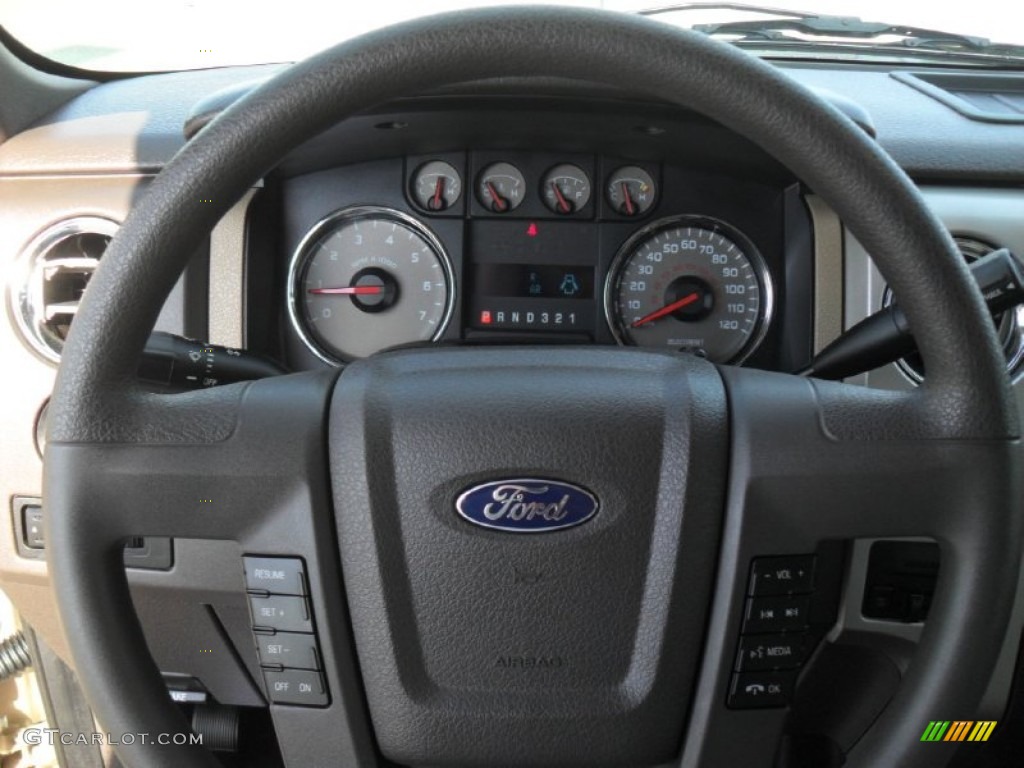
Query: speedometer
690	283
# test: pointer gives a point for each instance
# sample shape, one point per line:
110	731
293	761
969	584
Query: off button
296	686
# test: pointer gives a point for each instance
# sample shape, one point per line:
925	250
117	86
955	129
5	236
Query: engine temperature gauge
631	191
436	186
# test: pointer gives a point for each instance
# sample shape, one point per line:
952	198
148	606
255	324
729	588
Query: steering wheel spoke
815	463
193	484
826	460
259	471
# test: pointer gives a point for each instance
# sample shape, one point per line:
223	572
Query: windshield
142	35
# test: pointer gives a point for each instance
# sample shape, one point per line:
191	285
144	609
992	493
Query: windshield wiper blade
780	13
845	28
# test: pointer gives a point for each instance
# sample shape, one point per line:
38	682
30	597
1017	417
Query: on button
296	686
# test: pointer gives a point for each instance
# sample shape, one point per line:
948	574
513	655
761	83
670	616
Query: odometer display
692	284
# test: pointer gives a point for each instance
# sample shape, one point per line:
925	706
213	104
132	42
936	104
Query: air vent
1009	325
986	97
53	272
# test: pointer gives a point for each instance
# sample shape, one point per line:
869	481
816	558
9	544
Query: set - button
282	621
774	641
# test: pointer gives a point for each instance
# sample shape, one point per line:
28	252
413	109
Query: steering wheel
697	467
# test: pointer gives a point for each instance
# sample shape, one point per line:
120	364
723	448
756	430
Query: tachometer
365	279
690	283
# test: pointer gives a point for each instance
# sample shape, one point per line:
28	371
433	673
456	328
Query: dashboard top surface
121	127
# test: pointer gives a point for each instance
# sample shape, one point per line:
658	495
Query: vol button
787	575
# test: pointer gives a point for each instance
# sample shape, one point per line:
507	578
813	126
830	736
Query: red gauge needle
563	205
627	200
351	290
668	309
498	202
437	200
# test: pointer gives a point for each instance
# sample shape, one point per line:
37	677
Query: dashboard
489	246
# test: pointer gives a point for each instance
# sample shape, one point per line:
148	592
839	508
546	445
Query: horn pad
528	643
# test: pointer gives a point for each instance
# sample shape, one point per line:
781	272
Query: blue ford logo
526	505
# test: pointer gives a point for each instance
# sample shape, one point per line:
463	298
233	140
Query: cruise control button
276	575
288	649
296	686
791	574
750	690
761	652
281	612
775	614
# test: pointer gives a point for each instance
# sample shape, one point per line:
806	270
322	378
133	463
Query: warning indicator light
531	231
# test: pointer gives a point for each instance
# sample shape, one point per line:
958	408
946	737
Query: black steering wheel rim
966	398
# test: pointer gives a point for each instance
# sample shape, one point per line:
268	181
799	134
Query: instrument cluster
526	247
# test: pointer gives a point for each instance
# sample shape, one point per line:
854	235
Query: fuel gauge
565	189
631	191
436	186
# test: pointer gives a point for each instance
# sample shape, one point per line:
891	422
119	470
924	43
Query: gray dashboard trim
828	272
227	276
851	618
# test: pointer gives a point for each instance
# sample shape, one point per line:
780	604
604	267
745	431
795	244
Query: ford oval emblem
527	505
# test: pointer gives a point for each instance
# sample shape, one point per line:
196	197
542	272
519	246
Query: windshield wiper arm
846	28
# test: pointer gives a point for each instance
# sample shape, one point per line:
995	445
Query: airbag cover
570	646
